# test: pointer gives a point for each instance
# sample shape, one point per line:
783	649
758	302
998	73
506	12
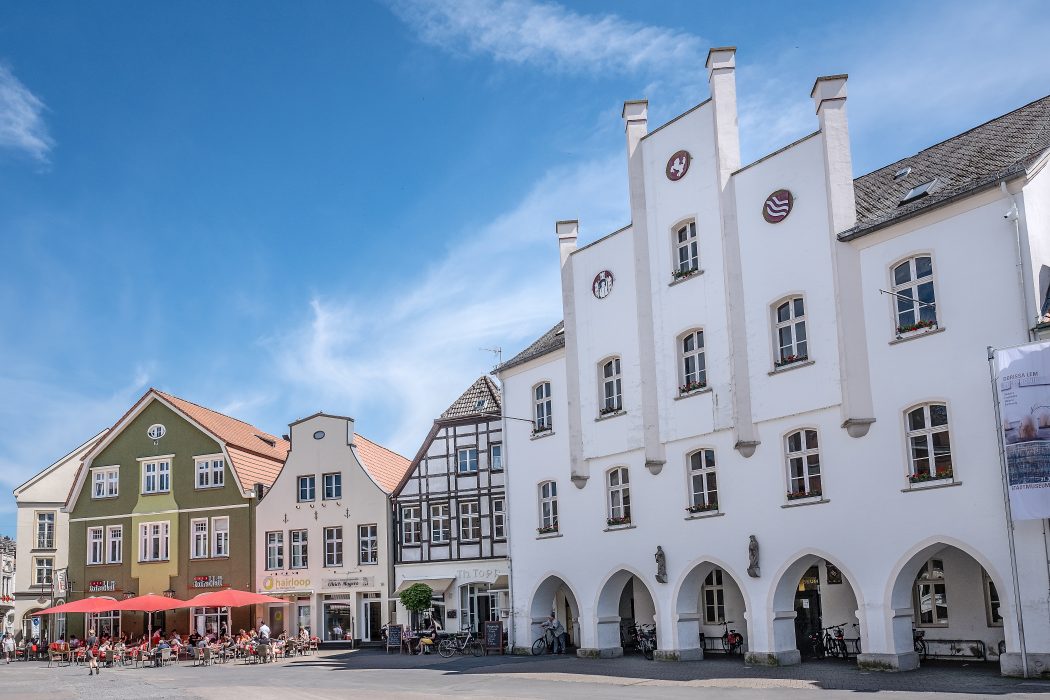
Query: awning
439	585
502	583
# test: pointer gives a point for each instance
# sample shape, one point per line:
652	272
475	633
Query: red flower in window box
920	325
702	507
680	273
691	386
795	495
547	529
624	520
790	360
926	476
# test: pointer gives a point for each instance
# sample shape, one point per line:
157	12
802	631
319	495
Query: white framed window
220	536
333	486
687	257
992	606
210	471
45	529
931	595
274	551
411	525
914	298
156	476
618	488
548	493
789	330
692	363
105	482
298	541
307	488
199	538
96	549
929	445
703	483
499	519
496	457
114	544
333	547
154	541
367	544
541	400
440	523
469	520
611	382
43	571
714	596
803	463
467	460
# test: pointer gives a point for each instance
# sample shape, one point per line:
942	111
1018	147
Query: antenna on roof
497	352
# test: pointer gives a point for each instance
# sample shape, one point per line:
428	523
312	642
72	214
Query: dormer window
480	404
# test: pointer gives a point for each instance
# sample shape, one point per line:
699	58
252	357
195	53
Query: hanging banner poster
1022	379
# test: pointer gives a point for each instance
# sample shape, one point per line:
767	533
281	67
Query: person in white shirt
555	626
264	631
337	631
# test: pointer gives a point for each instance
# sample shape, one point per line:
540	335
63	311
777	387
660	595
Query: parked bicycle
732	641
645	640
464	643
545	644
919	641
834	642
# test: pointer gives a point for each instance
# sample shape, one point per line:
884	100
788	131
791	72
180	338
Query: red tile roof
386	466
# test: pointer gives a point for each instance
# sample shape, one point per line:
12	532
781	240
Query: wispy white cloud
22	126
406	352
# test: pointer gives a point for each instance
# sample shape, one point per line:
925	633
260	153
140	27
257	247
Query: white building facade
43	551
451	515
323	536
8	551
769	402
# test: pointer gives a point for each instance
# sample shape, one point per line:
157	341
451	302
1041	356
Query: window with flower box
618	487
692	364
548	493
914	302
541	397
803	464
703	485
789	319
929	445
612	386
687	258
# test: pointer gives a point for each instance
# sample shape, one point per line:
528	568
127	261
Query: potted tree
417	597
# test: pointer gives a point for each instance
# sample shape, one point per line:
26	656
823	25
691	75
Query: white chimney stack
829	99
568	232
721	79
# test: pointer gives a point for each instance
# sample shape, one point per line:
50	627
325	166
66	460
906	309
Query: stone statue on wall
661	565
752	556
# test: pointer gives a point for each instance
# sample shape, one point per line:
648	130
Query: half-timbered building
450	511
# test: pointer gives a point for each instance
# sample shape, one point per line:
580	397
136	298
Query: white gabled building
784	351
43	551
451	514
324	540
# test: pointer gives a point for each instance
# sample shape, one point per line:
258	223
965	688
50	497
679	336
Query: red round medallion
777	206
678	165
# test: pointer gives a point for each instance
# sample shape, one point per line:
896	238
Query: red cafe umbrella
230	599
94	604
150	603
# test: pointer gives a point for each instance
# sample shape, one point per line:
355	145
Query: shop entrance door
372	620
807	610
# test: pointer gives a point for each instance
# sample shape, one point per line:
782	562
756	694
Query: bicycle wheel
539	646
647	650
447	648
477	648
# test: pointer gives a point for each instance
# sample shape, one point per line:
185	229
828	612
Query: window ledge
208	488
154	561
607	416
694	392
708	514
914	335
933	484
686	278
541	435
549	535
788	368
614	528
806	502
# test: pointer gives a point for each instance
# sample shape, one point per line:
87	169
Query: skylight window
902	173
920	191
480	404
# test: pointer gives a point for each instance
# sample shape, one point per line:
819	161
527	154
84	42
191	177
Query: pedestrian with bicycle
558	630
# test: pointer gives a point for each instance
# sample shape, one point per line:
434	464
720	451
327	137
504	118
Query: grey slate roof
467	405
963	164
548	342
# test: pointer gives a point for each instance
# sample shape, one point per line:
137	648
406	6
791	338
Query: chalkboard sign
492	636
394	635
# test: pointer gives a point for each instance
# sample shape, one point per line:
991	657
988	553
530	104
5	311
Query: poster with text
1023	383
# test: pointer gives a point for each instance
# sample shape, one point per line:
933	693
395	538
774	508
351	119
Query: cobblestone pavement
374	674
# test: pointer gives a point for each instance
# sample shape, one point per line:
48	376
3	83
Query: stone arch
688	614
609	608
553	593
786	625
966	595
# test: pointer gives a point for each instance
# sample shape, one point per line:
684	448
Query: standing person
90	644
555	626
337	631
9	646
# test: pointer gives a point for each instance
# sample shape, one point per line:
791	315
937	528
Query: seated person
194	639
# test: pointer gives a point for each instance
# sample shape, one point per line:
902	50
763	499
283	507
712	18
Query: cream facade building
770	403
324	540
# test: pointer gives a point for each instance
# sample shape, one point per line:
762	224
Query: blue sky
277	208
